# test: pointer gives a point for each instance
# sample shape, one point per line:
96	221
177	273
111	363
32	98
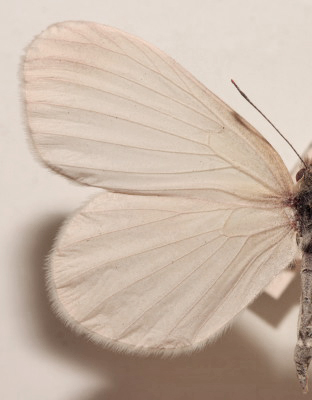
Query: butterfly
199	213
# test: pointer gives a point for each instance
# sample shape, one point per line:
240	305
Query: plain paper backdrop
266	47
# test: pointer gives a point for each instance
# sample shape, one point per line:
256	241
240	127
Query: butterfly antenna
250	102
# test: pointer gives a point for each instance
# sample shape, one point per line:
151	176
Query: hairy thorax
302	203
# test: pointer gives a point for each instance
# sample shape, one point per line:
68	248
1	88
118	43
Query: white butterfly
197	220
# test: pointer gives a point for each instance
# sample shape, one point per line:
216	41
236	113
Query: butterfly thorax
303	207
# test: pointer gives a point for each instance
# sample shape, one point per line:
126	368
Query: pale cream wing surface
162	273
109	110
156	273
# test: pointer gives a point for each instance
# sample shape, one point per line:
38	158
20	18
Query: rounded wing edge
109	343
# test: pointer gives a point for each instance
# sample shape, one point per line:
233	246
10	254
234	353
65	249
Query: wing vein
94	267
121	97
121	230
246	172
142	65
171	290
236	283
71	61
147	173
98	306
125	145
118	117
176	214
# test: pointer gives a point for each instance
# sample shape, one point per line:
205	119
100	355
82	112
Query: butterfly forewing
109	110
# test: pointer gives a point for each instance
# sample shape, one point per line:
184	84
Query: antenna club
232	80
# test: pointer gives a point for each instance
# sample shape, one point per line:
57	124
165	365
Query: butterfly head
300	174
304	176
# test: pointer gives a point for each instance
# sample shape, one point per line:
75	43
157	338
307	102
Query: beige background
267	47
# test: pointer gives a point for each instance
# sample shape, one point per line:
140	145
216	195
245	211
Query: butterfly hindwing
163	273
